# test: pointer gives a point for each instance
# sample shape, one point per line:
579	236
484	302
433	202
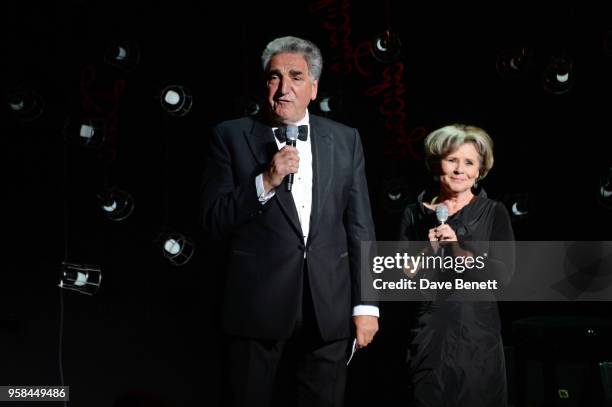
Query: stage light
329	104
513	63
85	279
386	47
246	106
116	204
90	133
324	105
518	206
177	248
25	105
604	196
176	100
124	55
558	75
396	194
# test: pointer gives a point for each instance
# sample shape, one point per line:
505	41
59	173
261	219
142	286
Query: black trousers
300	371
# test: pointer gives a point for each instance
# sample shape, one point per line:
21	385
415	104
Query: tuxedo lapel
322	168
287	204
261	142
263	146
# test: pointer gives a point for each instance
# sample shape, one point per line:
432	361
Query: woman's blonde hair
441	142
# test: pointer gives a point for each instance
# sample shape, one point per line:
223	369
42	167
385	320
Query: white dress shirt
302	195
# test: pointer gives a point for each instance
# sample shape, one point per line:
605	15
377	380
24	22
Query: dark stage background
152	331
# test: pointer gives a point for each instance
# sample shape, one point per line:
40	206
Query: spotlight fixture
124	55
513	63
558	75
518	206
177	248
324	105
396	194
25	105
386	47
90	133
85	279
246	106
604	196
329	104
116	204
176	100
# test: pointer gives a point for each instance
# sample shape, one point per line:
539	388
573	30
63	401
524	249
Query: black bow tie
302	133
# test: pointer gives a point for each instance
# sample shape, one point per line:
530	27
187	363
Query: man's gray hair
294	45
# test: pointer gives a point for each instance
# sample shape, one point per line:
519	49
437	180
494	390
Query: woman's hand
442	233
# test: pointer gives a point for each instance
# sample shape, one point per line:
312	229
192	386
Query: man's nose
284	86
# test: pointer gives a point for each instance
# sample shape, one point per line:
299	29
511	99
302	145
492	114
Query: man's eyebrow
295	72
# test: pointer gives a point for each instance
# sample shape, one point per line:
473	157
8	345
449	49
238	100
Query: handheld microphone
442	214
291	133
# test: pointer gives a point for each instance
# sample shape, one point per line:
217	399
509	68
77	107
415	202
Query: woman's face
459	169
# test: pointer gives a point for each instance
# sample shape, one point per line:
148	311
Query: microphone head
292	134
442	213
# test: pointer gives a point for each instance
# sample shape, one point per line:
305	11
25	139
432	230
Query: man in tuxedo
293	280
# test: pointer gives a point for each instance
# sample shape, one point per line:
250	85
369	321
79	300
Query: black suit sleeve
225	205
358	219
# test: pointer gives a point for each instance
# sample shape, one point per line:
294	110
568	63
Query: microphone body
441	214
291	134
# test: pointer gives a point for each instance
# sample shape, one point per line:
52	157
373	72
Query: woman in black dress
456	355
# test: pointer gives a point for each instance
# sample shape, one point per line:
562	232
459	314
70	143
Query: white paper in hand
353	350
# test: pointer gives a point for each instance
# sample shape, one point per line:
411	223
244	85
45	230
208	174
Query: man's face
290	87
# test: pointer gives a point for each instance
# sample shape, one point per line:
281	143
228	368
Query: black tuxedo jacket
265	267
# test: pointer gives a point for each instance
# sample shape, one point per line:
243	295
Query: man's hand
366	327
284	162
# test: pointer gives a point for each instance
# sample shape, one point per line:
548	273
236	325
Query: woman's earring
436	178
